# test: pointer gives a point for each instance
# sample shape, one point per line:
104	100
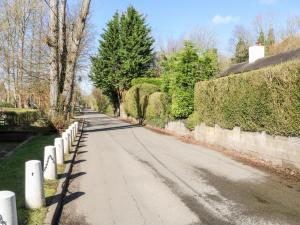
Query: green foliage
192	121
105	66
261	38
158	109
270	40
20	117
182	104
6	105
241	51
262	100
149	80
180	73
271	37
136	99
125	52
12	177
109	110
100	101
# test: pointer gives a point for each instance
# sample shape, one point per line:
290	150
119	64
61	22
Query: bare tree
54	56
204	38
62	44
75	40
22	54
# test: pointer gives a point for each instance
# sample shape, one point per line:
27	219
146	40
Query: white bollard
77	126
59	148
74	131
69	133
34	185
66	142
50	163
8	209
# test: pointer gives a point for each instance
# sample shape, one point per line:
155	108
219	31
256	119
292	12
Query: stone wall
279	150
177	127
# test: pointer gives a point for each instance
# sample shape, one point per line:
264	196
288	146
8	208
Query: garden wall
279	150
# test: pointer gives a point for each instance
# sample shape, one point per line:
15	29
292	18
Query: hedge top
261	100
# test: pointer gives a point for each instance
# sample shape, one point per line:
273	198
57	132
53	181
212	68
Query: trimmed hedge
136	99
262	100
20	117
158	109
149	80
6	105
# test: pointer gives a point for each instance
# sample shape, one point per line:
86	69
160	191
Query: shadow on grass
12	175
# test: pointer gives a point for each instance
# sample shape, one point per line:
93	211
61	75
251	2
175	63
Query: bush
158	109
20	117
181	71
6	105
136	99
109	110
262	100
149	80
182	104
192	121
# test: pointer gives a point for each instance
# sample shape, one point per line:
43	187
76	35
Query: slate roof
260	63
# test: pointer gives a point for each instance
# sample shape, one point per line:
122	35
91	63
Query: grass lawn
12	177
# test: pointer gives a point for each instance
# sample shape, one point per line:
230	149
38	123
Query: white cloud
268	2
219	19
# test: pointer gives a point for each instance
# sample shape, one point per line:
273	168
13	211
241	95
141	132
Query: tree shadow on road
114	128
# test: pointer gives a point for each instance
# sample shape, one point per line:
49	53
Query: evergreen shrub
267	99
136	99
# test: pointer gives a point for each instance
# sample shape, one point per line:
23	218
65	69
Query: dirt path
128	175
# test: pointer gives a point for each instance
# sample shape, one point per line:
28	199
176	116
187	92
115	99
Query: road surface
129	175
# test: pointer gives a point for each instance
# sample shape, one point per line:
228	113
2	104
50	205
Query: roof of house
263	62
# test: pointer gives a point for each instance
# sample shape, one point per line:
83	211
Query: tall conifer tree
125	52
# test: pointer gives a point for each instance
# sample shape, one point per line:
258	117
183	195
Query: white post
69	132
34	188
77	126
74	130
66	142
59	146
8	209
50	163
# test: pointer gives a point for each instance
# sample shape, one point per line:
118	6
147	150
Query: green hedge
136	99
6	105
262	100
20	117
158	109
149	80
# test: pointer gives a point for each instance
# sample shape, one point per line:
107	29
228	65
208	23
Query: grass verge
12	177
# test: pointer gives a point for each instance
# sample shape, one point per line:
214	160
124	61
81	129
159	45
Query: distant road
128	175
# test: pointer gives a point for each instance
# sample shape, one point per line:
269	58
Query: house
257	60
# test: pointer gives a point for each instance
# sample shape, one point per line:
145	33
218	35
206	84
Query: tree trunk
54	57
62	44
73	53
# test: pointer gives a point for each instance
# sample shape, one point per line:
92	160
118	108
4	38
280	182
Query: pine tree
106	65
270	40
261	38
271	37
241	51
125	52
136	46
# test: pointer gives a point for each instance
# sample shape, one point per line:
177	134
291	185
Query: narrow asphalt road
128	175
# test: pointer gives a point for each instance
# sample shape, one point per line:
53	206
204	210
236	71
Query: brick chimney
256	52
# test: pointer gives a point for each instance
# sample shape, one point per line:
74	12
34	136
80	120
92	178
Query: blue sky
171	19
